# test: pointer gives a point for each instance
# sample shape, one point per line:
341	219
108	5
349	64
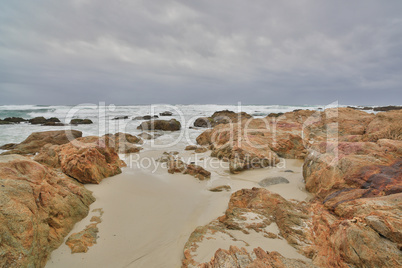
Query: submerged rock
39	207
272	181
166	113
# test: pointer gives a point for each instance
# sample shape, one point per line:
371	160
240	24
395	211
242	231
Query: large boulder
221	117
37	140
171	125
38	208
88	159
79	121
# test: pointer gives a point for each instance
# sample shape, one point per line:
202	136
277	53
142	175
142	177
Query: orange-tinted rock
385	125
88	159
124	143
235	257
176	165
221	117
37	140
38	208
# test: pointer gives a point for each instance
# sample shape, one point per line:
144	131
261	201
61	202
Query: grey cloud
268	52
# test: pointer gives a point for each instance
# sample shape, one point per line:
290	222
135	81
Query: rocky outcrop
176	165
37	140
171	125
78	121
15	119
235	257
385	125
361	233
221	117
145	117
38	208
124	143
80	242
88	159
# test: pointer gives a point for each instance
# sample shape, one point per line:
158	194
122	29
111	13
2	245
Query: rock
200	150
272	181
38	208
197	171
53	120
221	188
278	114
81	241
124	143
145	117
37	120
80	121
387	108
88	159
385	125
221	117
171	125
37	140
2	122
176	165
166	113
8	146
191	147
120	117
235	257
203	122
196	149
15	119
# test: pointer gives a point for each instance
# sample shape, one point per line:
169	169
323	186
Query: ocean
102	116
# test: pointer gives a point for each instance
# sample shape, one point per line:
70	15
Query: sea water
102	116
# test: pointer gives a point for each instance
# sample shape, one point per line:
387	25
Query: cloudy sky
201	51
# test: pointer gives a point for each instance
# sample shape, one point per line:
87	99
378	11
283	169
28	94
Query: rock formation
171	125
88	159
37	140
38	208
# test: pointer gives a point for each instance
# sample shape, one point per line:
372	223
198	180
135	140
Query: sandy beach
149	214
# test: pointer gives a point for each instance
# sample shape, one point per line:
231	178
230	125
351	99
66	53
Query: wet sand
149	214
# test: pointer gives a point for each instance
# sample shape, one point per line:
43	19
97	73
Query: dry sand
149	214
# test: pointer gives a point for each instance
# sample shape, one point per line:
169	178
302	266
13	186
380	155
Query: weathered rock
52	124
166	113
15	119
88	159
191	147
37	140
235	257
273	181
197	171
221	117
221	188
2	122
37	120
387	108
176	165
8	146
53	120
81	121
81	241
38	208
200	150
385	125
124	143
171	125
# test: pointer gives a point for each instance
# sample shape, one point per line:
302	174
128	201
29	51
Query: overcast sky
201	51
